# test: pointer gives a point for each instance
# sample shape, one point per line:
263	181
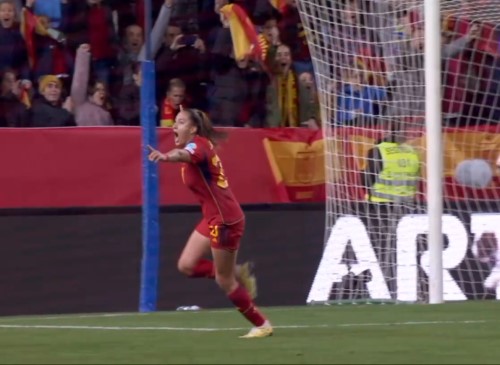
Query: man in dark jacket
48	111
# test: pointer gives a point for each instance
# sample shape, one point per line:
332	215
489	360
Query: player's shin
241	299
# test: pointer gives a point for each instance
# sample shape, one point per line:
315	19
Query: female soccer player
223	221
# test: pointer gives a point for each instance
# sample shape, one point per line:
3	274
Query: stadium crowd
77	62
379	62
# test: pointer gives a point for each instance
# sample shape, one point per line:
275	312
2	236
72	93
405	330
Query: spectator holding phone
179	54
185	59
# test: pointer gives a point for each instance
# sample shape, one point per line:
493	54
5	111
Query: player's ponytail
205	127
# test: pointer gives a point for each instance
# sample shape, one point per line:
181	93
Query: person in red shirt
223	221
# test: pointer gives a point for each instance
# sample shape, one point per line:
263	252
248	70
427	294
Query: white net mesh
369	65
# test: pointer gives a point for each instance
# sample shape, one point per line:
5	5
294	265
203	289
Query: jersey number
221	178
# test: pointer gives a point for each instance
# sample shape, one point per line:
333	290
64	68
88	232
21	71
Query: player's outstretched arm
175	155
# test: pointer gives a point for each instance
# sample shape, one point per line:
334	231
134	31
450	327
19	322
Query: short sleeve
197	151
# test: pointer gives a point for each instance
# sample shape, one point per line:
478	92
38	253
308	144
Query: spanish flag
296	157
243	34
278	4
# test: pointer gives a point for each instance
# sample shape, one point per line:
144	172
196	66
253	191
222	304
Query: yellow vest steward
397	182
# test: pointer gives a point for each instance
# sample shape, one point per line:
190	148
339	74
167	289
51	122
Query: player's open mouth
176	137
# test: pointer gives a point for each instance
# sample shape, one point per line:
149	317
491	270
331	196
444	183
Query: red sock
245	305
203	269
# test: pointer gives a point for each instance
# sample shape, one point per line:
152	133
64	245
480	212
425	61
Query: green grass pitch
455	333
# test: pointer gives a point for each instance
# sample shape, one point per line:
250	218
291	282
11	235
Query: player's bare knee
185	267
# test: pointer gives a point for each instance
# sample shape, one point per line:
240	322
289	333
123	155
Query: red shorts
222	236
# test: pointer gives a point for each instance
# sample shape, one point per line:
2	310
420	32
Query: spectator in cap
49	110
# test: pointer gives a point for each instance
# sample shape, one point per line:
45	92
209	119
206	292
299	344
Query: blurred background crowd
77	62
377	48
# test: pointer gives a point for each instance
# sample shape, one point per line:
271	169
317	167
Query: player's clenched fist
155	155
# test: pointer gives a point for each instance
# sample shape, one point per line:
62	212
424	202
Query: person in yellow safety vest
392	172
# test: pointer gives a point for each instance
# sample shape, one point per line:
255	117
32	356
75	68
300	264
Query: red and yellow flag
243	34
297	158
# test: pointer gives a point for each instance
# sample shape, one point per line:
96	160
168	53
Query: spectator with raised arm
159	29
49	110
89	98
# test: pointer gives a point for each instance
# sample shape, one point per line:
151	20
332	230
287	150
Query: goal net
368	57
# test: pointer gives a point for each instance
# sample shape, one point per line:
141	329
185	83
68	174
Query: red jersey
204	176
